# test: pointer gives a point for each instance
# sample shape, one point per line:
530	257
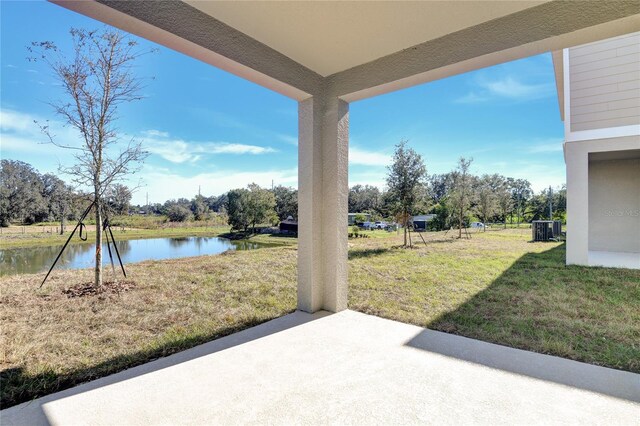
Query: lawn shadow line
511	341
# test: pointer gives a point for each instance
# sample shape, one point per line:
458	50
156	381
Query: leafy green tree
238	205
262	205
443	216
364	198
21	190
199	207
440	186
461	194
486	199
405	179
218	204
505	199
59	198
286	202
118	198
520	194
178	213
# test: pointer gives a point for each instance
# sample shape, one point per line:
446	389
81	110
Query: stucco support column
577	160
323	149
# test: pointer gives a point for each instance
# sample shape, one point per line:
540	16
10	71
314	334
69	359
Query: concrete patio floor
345	368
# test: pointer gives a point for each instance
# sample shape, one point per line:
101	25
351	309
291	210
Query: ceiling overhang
360	49
333	36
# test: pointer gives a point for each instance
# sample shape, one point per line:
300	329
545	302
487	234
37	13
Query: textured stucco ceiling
329	37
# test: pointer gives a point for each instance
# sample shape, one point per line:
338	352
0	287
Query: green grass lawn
496	287
500	288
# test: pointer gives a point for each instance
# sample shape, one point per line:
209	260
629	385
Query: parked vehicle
379	225
366	225
477	225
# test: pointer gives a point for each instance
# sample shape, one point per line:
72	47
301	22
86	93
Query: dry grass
51	341
496	287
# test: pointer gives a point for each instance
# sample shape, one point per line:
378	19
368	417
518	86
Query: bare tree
461	194
96	77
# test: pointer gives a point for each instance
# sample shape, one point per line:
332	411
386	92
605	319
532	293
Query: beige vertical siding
605	83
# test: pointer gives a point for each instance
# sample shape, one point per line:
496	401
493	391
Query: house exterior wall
605	83
614	205
577	155
601	109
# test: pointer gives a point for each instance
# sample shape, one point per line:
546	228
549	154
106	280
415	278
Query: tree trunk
62	221
98	268
460	223
405	234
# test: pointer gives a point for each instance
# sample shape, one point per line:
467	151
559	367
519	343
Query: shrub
177	213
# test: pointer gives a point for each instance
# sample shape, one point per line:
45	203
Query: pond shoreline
80	255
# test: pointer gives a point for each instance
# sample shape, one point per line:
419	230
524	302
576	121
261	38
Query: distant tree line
462	197
244	207
27	196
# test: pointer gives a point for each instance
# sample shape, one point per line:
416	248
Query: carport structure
327	54
349	367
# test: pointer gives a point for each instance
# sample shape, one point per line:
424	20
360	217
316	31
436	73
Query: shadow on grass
19	386
540	305
364	253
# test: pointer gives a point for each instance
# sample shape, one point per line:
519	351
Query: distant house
289	225
352	217
420	221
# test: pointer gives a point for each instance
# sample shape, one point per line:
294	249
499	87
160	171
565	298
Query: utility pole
272	187
147	209
550	203
199	191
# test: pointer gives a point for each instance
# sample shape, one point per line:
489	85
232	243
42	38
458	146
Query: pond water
39	259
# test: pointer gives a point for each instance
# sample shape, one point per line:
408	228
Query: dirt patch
89	289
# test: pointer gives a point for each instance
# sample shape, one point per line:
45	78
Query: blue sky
205	127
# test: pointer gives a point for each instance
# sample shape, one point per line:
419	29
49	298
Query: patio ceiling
329	37
360	49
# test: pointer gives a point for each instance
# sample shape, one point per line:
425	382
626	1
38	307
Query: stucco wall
605	83
614	205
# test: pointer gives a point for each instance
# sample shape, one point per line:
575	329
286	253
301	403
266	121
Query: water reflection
39	259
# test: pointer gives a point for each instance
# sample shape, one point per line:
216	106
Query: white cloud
512	88
471	98
357	177
554	145
181	151
507	88
368	158
20	134
14	121
155	133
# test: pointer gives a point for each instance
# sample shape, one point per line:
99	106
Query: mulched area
107	287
